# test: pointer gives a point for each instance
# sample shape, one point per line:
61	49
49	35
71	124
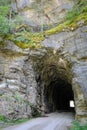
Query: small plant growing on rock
76	126
3	118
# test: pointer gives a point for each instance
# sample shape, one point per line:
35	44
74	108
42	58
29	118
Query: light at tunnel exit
72	103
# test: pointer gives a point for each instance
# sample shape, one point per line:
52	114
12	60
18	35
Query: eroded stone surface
42	11
74	48
21	84
17	83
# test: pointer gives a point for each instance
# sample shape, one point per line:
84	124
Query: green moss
61	27
68	24
78	13
55	29
27	39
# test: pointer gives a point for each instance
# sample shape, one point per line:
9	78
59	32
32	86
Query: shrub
3	118
76	126
4	16
4	25
79	8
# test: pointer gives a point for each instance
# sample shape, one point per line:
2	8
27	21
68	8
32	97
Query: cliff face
32	81
74	49
45	12
28	76
17	83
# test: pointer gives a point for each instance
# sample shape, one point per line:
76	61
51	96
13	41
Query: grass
67	25
26	39
3	118
7	123
76	126
78	13
19	121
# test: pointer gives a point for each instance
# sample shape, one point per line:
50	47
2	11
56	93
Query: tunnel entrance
55	83
59	95
57	78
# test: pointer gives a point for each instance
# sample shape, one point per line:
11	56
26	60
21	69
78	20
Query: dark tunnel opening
59	96
55	84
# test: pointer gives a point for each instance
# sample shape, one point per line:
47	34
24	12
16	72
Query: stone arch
57	89
55	83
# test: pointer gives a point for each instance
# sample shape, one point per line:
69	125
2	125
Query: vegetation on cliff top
73	19
27	39
10	30
4	16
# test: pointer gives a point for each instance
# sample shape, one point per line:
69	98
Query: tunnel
59	94
57	78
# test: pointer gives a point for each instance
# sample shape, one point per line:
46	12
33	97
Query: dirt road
53	121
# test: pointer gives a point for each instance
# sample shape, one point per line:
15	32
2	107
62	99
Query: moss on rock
78	13
26	39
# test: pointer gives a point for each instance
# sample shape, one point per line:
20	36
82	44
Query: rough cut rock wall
19	86
53	76
37	12
20	91
74	48
17	83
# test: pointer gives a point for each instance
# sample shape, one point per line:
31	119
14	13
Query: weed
27	39
76	126
19	121
3	118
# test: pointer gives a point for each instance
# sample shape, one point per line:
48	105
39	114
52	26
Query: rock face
74	49
42	12
17	83
44	80
30	80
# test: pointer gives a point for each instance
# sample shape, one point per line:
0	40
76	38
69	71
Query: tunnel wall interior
58	95
54	79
